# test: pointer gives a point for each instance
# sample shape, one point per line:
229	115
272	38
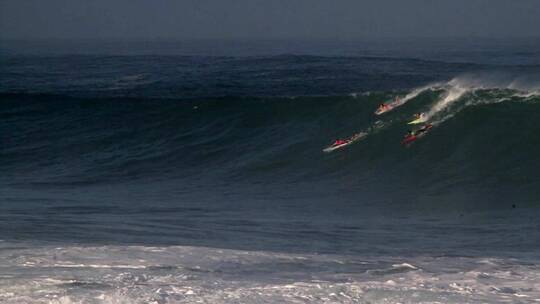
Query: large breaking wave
485	141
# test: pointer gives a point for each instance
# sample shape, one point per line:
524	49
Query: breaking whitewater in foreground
138	274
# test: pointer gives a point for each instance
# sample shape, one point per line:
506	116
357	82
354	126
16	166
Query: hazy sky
268	18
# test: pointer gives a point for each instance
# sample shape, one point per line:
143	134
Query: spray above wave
451	92
495	90
453	97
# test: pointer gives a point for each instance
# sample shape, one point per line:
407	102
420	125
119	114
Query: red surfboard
409	139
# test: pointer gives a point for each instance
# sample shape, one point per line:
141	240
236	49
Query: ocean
193	172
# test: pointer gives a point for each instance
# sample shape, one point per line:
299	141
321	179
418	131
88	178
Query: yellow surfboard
416	121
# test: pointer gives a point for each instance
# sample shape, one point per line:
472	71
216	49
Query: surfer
418	118
383	107
423	129
340	142
413	135
417	132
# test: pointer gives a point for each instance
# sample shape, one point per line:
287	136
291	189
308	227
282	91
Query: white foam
449	104
453	94
99	266
177	274
415	92
404	265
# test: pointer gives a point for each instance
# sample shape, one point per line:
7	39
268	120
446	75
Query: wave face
484	138
481	155
113	166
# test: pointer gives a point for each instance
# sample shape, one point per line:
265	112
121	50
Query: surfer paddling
414	135
340	143
385	107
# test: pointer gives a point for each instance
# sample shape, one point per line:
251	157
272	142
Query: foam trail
414	93
397	102
418	91
457	87
453	94
527	94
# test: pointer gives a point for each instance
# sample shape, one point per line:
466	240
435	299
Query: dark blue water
219	144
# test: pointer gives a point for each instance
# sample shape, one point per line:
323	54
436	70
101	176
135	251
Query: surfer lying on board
386	106
419	131
340	142
412	136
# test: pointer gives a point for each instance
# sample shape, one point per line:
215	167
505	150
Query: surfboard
419	120
351	140
416	121
383	110
409	139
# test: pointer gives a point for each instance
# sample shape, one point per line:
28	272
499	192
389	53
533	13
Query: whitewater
138	274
